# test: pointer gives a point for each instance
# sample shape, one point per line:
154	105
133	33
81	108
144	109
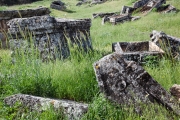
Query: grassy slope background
74	77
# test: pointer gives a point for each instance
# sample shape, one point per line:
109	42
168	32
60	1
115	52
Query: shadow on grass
69	11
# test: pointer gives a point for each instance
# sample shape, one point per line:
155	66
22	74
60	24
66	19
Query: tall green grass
74	78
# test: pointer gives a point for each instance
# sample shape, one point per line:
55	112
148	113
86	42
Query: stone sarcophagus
49	35
127	83
137	51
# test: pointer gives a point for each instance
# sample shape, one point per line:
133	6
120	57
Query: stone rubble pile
144	6
10	14
58	5
73	110
50	35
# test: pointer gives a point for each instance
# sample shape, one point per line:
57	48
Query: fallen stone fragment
119	18
73	110
50	35
175	91
101	15
97	2
171	45
137	51
126	83
134	18
58	5
140	3
83	2
167	9
151	5
127	10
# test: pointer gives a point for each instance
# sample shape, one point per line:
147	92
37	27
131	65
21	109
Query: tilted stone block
170	44
137	51
127	83
73	110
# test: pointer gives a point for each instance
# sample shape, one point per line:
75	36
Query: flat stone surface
127	83
73	110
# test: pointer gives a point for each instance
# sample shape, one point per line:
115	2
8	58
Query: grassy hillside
74	77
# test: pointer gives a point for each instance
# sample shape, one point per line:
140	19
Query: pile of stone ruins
144	6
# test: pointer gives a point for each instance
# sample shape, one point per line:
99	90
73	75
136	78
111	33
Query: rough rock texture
140	3
125	82
50	35
101	15
151	5
137	51
127	10
15	2
171	45
175	91
58	5
97	2
73	110
167	9
10	14
119	18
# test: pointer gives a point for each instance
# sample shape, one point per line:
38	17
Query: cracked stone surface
126	82
73	110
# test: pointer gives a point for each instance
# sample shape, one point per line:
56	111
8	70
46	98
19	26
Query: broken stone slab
83	2
137	51
15	2
127	83
167	9
175	91
73	110
134	18
58	5
151	5
170	44
101	15
119	18
50	35
127	10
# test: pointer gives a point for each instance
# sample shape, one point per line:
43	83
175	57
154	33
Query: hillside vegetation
74	78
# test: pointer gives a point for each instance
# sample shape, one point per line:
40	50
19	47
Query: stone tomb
49	35
137	51
127	83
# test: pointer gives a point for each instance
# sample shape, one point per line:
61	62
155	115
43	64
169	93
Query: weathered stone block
127	83
127	10
175	91
50	35
101	15
167	9
73	110
119	18
58	5
137	51
170	44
